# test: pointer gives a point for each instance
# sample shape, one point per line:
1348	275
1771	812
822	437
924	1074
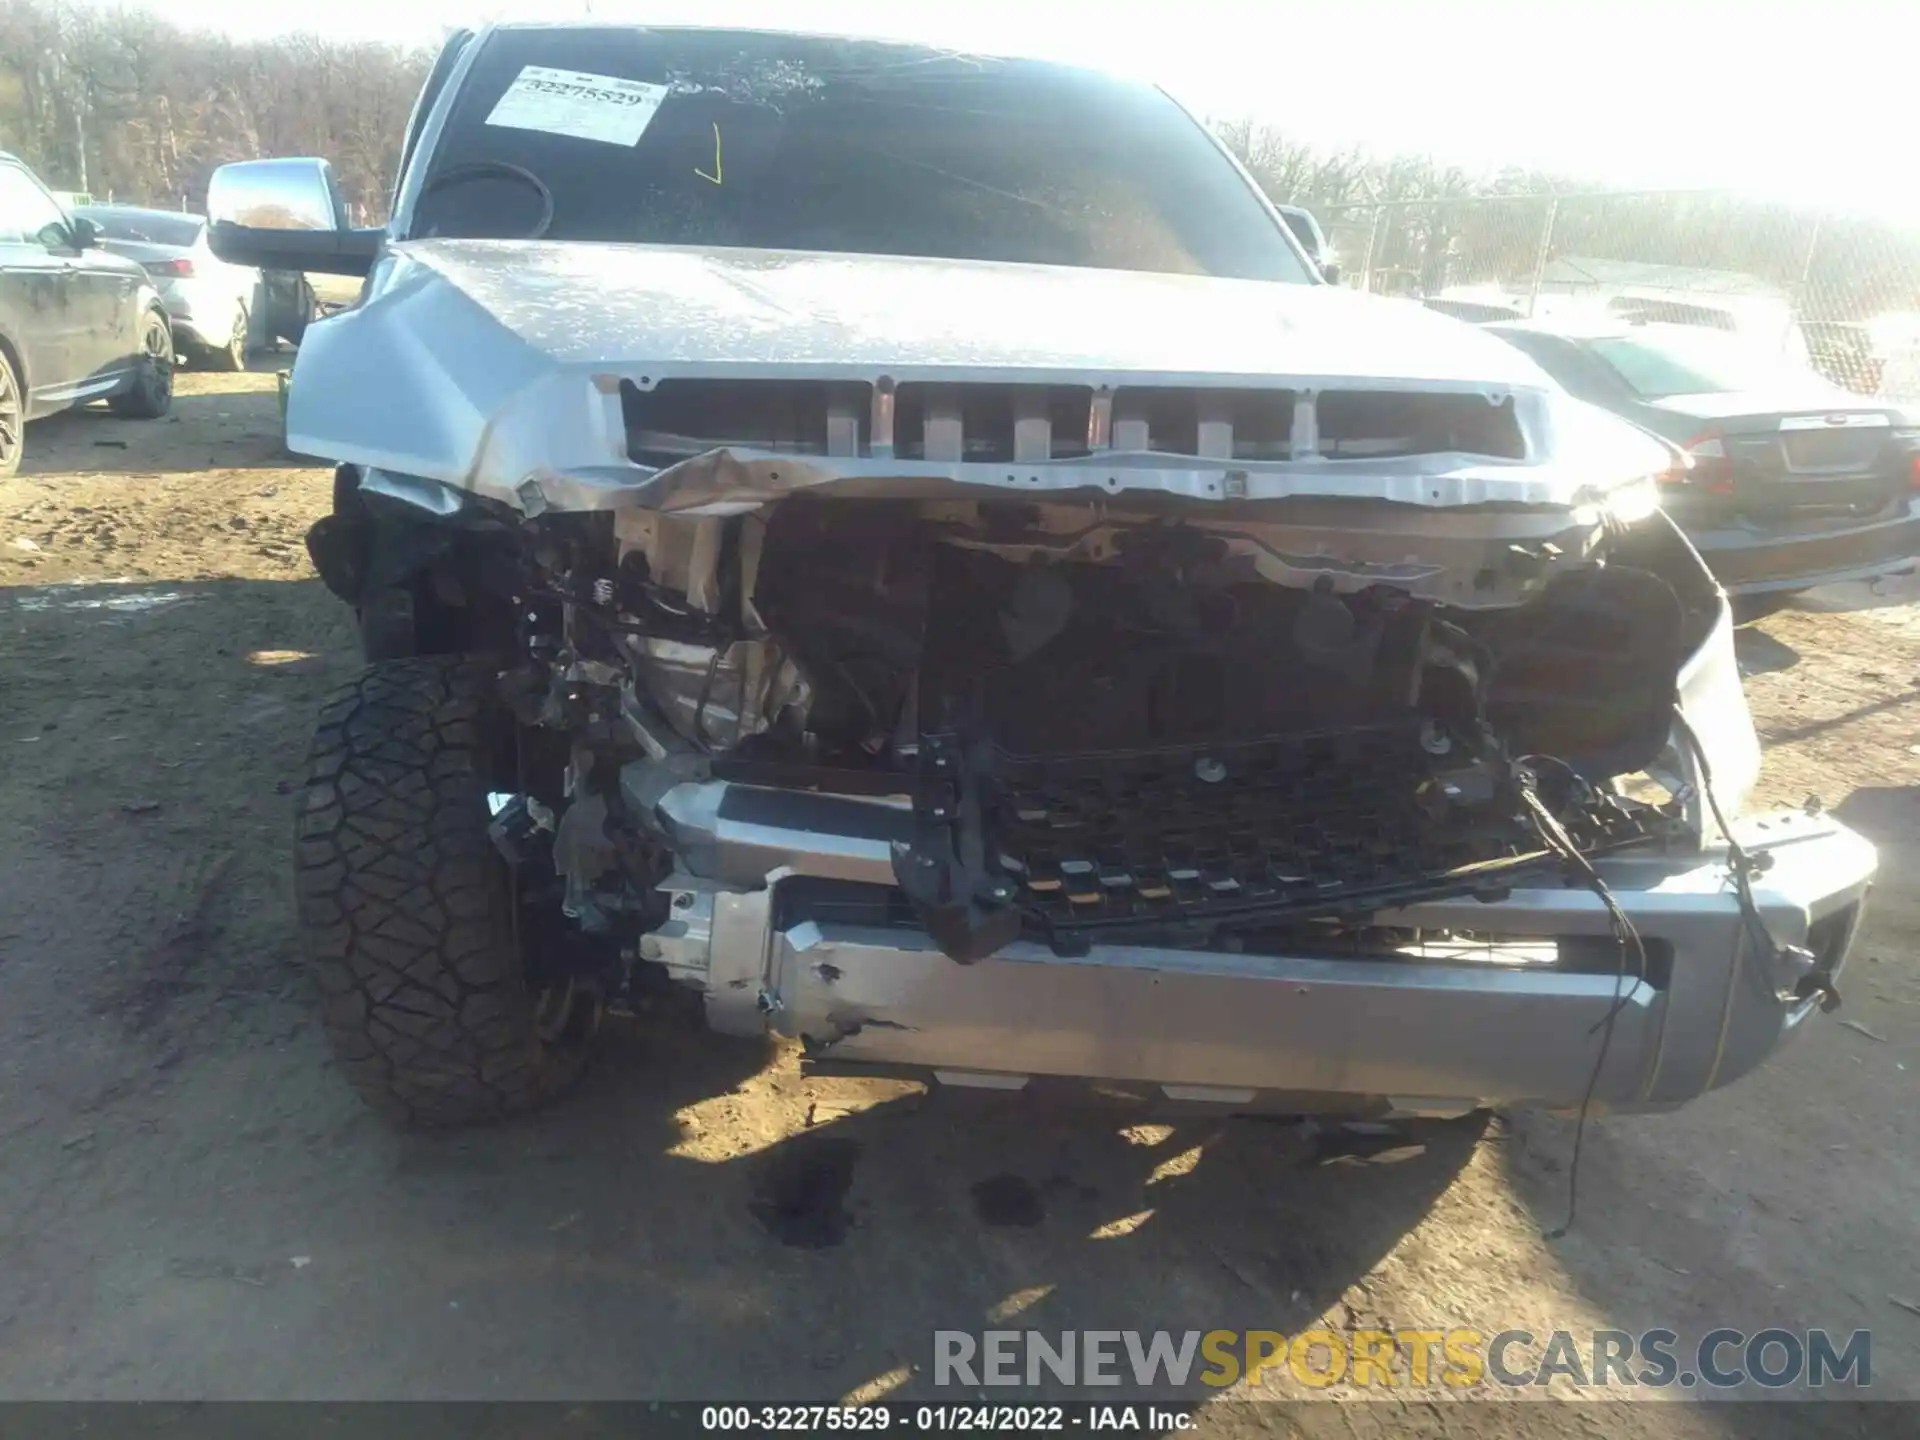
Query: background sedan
220	312
1793	481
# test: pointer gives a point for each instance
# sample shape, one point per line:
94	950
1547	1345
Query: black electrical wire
1565	846
1743	864
1554	836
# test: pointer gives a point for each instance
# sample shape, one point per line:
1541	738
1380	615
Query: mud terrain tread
404	904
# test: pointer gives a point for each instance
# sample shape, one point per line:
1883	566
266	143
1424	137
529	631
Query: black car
77	322
1792	481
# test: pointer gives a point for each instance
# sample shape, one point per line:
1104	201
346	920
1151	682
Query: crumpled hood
582	304
492	365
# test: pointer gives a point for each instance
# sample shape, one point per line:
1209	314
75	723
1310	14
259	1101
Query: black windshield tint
804	143
151	227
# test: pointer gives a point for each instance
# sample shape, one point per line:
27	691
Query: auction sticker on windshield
588	107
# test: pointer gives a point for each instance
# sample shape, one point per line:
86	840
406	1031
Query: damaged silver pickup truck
904	546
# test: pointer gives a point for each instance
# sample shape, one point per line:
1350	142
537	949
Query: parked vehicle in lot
77	322
1793	482
974	601
221	313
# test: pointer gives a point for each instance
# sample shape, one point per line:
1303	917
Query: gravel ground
192	1205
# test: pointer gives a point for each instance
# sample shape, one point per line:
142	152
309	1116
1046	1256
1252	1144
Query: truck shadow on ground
1759	653
830	1253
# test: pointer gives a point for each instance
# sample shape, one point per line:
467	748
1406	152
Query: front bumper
1520	1020
1754	562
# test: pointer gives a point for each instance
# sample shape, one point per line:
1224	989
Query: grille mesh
1183	833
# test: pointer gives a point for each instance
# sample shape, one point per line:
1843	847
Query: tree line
127	105
1439	224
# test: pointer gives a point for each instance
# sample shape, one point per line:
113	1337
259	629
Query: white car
218	310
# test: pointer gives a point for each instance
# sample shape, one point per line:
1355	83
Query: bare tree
125	103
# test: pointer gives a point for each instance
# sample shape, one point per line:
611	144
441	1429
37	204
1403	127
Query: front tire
408	910
151	394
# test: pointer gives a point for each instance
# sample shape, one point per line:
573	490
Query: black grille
671	419
1192	833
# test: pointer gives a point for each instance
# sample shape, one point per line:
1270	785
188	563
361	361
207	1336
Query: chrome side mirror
276	195
285	215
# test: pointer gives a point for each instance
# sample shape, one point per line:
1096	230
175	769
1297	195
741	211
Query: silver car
946	581
218	310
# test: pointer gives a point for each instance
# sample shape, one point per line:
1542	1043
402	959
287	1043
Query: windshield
1686	361
805	143
150	227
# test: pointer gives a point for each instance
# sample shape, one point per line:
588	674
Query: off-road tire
151	394
406	906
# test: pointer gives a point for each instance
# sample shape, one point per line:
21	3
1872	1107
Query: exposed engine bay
1143	738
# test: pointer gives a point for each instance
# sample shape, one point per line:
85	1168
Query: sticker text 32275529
587	107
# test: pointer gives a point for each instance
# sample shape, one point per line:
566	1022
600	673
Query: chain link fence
1837	293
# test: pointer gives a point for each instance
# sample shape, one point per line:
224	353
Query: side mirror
1330	271
285	215
85	233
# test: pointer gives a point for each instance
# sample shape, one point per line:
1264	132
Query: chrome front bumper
1521	1021
1386	1034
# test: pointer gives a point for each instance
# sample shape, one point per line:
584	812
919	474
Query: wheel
13	418
232	355
151	394
410	914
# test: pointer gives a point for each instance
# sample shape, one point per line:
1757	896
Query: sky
1811	103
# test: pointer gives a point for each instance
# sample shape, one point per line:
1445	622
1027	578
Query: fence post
1540	255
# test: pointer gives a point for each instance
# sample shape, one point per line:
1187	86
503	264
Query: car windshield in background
806	143
1680	360
146	227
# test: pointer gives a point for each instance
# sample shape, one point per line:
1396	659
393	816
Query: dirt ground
192	1205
